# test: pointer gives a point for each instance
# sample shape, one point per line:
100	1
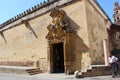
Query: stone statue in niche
57	27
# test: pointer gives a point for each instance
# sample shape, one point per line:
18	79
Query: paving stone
47	76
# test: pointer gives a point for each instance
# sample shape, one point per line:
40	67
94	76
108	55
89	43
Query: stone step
96	70
34	71
20	70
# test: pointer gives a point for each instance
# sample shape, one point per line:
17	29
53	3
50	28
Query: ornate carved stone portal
57	27
60	41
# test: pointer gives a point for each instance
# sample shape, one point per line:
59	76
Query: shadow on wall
2	35
27	25
74	28
78	47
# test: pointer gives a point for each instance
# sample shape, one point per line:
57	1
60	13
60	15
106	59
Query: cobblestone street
46	76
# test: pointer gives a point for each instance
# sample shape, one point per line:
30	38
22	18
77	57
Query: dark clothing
114	68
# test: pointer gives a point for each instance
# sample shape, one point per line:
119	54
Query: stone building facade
57	36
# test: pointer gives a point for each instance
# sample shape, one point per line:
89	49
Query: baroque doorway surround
59	51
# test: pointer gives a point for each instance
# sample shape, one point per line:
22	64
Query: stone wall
79	39
25	39
25	42
97	31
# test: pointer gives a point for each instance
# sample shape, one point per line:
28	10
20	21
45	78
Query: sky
108	6
11	8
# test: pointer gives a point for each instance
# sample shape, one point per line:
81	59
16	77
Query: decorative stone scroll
57	27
